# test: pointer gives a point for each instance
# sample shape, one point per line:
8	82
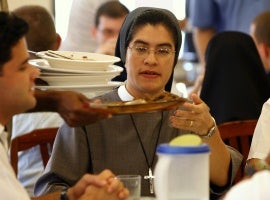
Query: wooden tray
141	105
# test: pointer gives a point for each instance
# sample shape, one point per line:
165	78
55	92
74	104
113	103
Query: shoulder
110	96
204	8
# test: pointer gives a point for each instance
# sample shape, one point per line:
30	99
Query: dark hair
12	29
112	9
42	34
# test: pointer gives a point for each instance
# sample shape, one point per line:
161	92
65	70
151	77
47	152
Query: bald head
42	34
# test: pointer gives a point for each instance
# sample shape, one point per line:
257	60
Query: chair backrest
238	134
43	137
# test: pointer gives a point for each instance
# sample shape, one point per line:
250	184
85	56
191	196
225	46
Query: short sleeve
203	14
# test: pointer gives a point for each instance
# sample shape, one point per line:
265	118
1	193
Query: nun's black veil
120	50
235	85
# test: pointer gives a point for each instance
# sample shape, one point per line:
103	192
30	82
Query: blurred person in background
81	19
260	32
42	34
235	85
108	21
209	17
260	145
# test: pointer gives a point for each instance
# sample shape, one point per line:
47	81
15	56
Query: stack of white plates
88	76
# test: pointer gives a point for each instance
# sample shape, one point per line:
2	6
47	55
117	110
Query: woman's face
149	71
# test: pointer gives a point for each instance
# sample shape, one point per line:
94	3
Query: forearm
46	101
201	38
254	165
219	160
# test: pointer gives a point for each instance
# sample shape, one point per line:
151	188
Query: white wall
12	4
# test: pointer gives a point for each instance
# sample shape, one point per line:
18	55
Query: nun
148	45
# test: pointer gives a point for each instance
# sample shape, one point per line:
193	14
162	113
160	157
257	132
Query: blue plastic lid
168	149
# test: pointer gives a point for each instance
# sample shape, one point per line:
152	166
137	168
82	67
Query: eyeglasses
142	51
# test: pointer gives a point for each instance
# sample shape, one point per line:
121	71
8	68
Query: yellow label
186	140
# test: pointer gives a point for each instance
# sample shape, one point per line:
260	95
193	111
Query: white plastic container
182	172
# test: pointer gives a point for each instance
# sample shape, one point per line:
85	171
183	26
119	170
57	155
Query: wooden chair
43	137
238	134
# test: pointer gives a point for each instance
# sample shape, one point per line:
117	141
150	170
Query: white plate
76	80
89	90
79	60
45	67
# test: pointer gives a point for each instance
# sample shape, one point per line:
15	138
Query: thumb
196	99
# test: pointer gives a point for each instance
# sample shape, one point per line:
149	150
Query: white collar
124	94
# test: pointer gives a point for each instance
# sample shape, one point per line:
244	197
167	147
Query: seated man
17	78
41	36
260	146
